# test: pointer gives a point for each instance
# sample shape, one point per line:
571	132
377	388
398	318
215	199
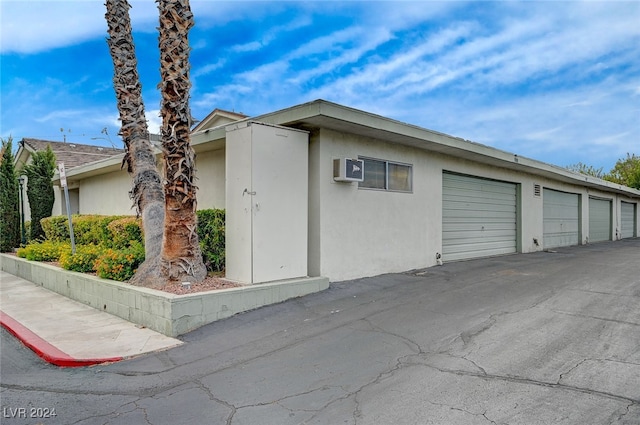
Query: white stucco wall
106	194
210	174
358	232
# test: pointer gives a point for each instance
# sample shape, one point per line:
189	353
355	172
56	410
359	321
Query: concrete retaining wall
163	312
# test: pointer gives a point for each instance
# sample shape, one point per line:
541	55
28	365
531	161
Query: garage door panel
479	237
561	218
485	249
628	223
599	220
479	217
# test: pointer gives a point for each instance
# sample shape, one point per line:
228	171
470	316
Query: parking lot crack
588	316
527	381
621	417
212	397
577	365
465	411
357	413
468	335
411	343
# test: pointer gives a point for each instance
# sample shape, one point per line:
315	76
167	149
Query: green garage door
628	226
478	217
599	220
561	218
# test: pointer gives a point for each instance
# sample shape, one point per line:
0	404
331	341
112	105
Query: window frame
386	175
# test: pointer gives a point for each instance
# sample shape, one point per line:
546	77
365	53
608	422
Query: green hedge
124	231
211	234
87	229
113	246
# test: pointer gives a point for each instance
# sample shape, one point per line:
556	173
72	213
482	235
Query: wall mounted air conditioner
348	170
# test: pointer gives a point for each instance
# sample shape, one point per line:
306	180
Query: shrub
211	233
123	231
44	251
27	231
55	228
83	260
92	229
87	229
122	264
40	188
9	199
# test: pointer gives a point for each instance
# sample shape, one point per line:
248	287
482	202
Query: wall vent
536	190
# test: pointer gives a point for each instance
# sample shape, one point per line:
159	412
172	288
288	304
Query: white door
479	217
280	203
561	218
266	203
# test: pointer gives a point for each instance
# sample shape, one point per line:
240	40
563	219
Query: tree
9	200
147	192
171	244
626	171
588	170
181	254
40	188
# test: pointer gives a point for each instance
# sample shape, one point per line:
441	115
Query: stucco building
423	197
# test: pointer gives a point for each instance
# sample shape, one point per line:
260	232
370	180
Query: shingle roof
72	154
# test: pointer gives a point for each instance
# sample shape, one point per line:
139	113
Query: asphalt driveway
545	338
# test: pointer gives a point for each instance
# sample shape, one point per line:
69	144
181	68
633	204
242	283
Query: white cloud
154	122
56	23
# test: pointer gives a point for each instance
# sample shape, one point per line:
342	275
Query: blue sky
554	81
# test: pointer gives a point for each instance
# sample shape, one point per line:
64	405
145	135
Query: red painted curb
44	349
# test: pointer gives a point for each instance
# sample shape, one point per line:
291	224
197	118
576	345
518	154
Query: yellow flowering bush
120	264
124	230
83	260
44	251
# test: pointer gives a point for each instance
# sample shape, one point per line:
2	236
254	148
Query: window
386	175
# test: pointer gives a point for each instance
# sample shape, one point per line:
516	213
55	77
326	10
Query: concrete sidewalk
67	333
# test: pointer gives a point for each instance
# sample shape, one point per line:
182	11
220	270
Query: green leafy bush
55	228
87	229
123	231
83	260
27	231
44	251
40	188
91	229
113	246
121	264
211	234
9	198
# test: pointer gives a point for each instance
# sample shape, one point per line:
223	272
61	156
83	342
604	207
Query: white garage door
478	217
599	220
629	226
561	218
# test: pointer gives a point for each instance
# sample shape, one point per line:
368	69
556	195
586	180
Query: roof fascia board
92	169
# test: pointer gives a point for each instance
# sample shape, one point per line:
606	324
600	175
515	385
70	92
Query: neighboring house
425	196
72	155
218	117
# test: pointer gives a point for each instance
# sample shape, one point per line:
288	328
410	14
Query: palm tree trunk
181	254
147	192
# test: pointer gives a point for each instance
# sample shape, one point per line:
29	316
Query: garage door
628	226
478	217
599	220
561	218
